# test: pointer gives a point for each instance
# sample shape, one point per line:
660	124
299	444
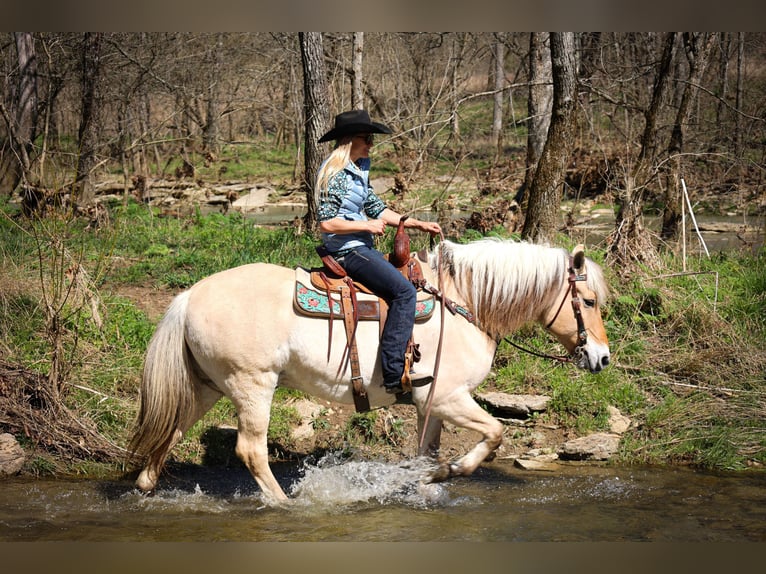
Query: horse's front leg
462	411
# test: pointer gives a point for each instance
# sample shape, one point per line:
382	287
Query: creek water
737	233
367	501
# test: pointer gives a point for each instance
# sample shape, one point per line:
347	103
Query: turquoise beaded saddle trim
314	303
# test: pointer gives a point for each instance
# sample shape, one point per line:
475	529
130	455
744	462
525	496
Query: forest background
507	127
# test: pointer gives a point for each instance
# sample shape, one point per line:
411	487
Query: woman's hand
392	218
376	226
429	226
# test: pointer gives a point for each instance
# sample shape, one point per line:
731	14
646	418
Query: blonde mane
507	283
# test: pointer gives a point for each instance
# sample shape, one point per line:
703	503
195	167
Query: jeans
368	266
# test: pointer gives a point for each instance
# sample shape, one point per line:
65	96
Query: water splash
334	483
177	500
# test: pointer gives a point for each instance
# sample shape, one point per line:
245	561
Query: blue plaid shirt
350	197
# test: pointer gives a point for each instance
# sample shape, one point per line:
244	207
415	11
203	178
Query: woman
349	215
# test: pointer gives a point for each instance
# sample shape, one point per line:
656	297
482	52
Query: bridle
582	333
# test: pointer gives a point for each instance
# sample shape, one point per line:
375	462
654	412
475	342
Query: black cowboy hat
354	122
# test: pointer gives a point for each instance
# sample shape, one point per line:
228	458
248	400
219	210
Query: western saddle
332	279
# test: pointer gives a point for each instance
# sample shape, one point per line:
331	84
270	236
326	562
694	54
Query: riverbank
687	370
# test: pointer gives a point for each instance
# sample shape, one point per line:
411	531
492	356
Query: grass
688	364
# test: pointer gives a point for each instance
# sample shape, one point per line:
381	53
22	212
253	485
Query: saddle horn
401	253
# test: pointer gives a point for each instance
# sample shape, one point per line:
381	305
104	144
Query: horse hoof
144	483
441	473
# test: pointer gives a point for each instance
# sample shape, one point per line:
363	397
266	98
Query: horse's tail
167	387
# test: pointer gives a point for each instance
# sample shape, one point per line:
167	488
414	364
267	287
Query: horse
236	333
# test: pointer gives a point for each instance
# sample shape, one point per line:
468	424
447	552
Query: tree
84	191
545	194
357	86
316	114
698	47
211	127
629	241
20	118
539	104
499	74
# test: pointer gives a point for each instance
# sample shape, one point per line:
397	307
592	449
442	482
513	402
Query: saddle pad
314	303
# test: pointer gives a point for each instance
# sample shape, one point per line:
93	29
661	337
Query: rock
618	422
539	465
540	455
257	198
308	411
514	405
598	446
11	455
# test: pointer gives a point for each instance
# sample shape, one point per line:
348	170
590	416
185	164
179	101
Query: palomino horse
236	333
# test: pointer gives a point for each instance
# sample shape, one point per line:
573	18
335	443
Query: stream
367	501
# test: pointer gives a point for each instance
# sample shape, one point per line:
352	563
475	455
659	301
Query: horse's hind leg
429	443
253	404
205	398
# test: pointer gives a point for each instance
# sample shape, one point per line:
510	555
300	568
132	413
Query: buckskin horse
238	333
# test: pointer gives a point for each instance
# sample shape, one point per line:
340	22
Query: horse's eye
589	302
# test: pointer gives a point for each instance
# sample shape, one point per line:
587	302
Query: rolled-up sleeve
336	191
373	205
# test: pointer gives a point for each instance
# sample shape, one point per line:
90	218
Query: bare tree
165	94
545	194
539	104
739	101
210	130
316	114
20	117
84	191
629	241
499	75
698	47
357	87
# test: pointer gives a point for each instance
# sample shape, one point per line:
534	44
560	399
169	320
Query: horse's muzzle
581	358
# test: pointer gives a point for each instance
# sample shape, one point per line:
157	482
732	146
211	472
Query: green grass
688	360
261	161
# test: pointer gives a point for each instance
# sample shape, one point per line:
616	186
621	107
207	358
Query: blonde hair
335	163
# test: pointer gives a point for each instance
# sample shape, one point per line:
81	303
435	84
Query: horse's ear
578	255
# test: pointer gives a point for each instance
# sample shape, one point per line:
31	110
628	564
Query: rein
437	360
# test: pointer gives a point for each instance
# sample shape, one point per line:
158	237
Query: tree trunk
698	48
357	88
84	191
545	194
316	115
21	119
723	69
497	115
630	242
539	105
212	105
739	104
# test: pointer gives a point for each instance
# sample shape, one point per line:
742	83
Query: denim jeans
368	266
